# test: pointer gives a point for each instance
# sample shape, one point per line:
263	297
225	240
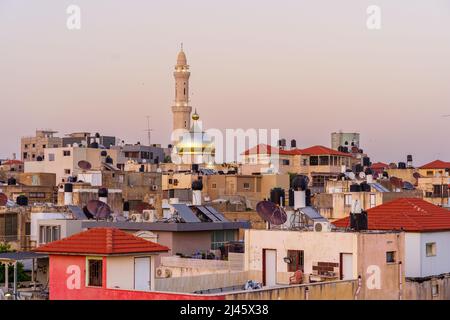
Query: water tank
22	201
293	143
93	145
12	182
68	187
359	221
308	197
126	206
197	185
142	168
365	187
355	188
103	153
300	183
277	196
102	193
109	160
358	168
402	165
72	179
39	158
195	167
385	174
366	162
368	171
409	157
345	149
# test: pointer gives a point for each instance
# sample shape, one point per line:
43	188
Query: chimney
68	194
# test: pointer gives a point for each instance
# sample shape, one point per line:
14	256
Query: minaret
181	110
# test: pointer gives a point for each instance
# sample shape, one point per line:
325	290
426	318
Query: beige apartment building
64	161
33	148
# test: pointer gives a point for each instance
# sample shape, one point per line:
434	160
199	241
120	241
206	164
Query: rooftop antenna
149	131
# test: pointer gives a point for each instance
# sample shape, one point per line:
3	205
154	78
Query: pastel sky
306	67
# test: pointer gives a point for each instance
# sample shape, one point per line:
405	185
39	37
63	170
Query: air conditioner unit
154	187
322	226
149	215
136	217
163	272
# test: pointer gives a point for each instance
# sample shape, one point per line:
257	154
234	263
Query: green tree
21	274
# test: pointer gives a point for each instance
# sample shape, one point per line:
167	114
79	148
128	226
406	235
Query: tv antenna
149	131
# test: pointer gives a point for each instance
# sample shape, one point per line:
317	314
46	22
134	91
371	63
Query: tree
21	274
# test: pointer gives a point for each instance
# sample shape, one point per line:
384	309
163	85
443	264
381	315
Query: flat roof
23	255
174	227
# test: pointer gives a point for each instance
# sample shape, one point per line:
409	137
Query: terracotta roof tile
104	241
409	214
437	164
314	150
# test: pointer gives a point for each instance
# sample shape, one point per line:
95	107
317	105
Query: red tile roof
103	241
11	162
314	150
409	214
437	164
379	165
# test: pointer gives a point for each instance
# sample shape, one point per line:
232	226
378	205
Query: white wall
441	262
412	255
120	273
34	232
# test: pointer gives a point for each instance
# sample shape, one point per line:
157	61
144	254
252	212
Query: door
269	267
142	274
346	266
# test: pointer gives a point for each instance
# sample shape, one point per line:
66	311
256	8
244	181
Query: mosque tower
181	110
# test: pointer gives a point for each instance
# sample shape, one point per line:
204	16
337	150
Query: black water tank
365	187
385	174
358	168
109	160
291	198
39	158
300	183
277	196
197	185
68	187
102	193
402	165
409	158
345	149
142	168
368	171
341	149
22	200
12	182
293	143
93	145
126	206
366	161
103	153
72	179
359	221
195	167
308	197
355	188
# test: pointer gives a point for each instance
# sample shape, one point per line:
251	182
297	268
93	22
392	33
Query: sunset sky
306	67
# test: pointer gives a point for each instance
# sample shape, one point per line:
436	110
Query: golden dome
195	116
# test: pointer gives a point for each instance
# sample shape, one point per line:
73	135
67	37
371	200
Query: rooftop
102	241
437	164
314	151
408	214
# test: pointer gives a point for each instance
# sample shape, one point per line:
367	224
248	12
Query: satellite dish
98	209
271	212
407	185
3	199
396	182
362	175
84	165
351	176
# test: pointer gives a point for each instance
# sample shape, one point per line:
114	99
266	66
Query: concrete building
34	147
344	139
141	154
427	233
64	161
86	139
273	256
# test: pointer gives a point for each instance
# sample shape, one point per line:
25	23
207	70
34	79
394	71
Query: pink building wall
67	281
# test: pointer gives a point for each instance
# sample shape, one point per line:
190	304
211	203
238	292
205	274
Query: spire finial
182	46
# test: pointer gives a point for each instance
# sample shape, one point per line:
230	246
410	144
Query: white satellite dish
351	175
362	175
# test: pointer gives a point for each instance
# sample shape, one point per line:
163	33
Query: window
430	173
55	146
348	200
324	160
373	200
214	186
66	171
44	146
37	195
51	157
390	256
66	153
94	272
33	156
49	233
34	145
220	237
313	161
285	162
434	289
25	155
305	162
27	228
297	260
8	227
430	249
246	186
26	146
